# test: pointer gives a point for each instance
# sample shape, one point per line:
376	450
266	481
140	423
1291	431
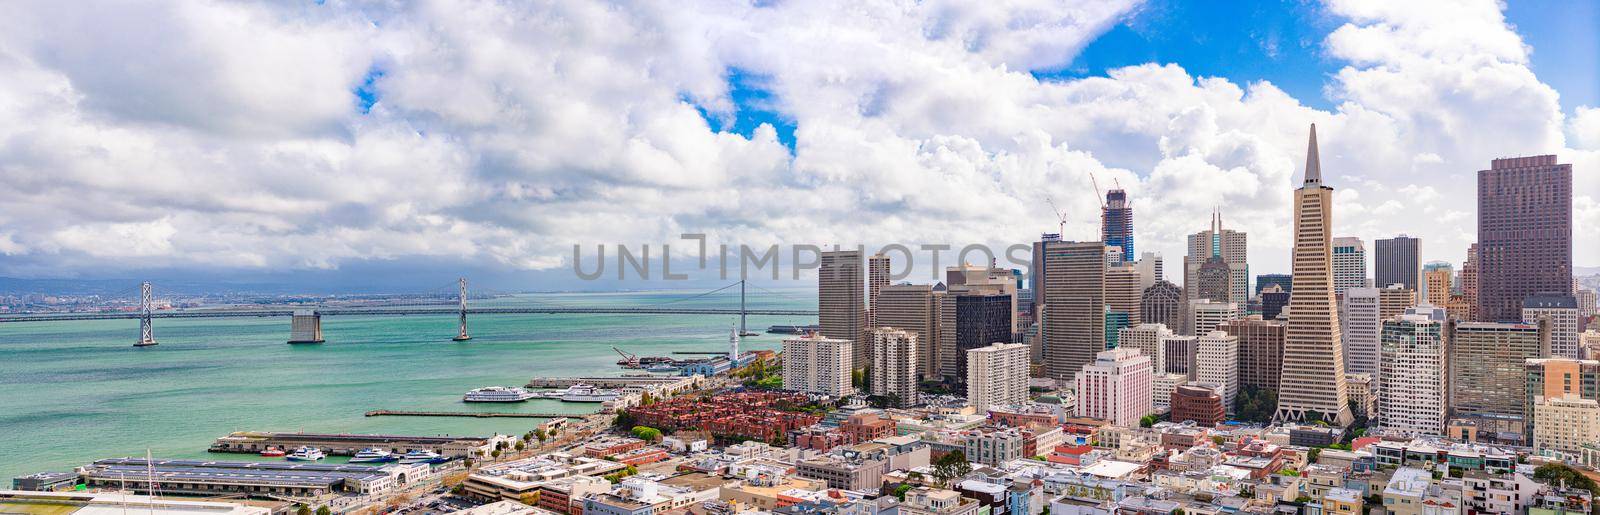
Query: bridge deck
57	317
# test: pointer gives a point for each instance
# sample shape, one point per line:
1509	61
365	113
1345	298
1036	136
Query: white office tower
1349	264
894	365
1206	315
1178	354
1146	338
1563	313
1149	268
1217	365
997	375
1362	322
1115	387
1411	384
818	365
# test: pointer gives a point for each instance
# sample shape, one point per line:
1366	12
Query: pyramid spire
1313	163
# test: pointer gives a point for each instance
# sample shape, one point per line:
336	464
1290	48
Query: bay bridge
306	322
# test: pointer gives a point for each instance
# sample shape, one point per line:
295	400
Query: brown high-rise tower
1524	234
1313	358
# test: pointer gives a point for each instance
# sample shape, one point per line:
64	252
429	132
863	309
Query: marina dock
472	414
603	382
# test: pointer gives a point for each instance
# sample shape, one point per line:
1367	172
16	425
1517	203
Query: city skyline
387	167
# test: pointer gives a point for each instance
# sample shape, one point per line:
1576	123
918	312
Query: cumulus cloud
232	135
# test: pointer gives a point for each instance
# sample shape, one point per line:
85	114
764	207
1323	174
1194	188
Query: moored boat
498	394
306	454
420	456
588	393
373	455
273	452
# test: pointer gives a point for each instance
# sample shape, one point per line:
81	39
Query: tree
951	466
1311	455
624	419
900	492
646	433
324	510
1557	473
1147	421
1315	417
303	510
530	498
520	446
540	434
495	453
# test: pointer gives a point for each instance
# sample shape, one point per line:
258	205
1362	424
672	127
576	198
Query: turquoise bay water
74	392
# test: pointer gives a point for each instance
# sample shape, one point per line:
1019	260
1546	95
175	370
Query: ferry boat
420	456
373	455
663	368
273	452
588	393
498	394
306	454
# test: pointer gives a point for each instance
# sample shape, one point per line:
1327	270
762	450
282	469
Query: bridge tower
463	336
305	327
742	311
146	337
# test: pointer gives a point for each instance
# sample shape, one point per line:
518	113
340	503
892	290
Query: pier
472	414
603	382
253	442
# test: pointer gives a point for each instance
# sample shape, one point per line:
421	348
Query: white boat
373	455
306	454
498	394
421	457
588	393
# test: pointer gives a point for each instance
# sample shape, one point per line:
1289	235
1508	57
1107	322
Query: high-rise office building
988	280
1178	354
1396	261
1588	300
1524	233
841	302
1162	304
1115	387
877	279
1146	338
1273	300
911	307
1260	351
1411	384
1394	300
997	375
1349	264
1229	248
1116	223
1206	316
1150	269
1487	381
1284	282
894	365
1469	283
817	364
1313	358
1362	324
1217	364
1123	293
1562	310
1437	282
1565	424
968	320
1072	321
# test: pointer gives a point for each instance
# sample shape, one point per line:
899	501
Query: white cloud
226	134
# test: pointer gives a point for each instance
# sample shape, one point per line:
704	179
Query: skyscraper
1260	351
894	365
1562	310
1363	322
1206	316
1487	381
1162	303
841	307
1469	283
1349	264
1524	233
1072	321
1284	282
968	320
1146	338
997	375
1396	261
1229	247
1150	269
877	278
1217	364
911	307
1411	382
1178	354
1116	223
1123	293
1393	300
1313	358
1273	300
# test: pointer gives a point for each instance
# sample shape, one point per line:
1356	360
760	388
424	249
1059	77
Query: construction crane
628	360
1098	196
1061	217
